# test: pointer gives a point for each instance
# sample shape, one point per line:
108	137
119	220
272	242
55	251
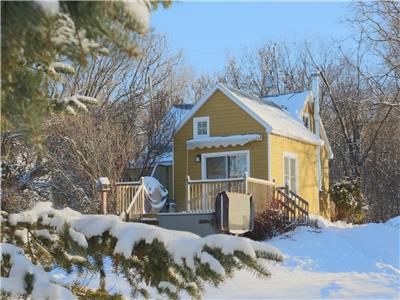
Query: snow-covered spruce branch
148	257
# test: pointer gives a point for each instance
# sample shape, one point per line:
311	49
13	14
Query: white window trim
293	156
195	122
218	154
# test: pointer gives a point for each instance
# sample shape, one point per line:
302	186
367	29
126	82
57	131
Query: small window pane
292	167
216	167
286	167
293	184
237	165
202	128
290	173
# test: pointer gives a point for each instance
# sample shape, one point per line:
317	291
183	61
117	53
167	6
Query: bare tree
135	95
270	69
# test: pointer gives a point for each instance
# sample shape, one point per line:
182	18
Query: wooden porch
201	196
129	197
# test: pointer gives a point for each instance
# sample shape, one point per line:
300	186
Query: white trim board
269	156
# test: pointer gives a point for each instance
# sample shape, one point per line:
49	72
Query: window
225	165
290	171
306	119
201	127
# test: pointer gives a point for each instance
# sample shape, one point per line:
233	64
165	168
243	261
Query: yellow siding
306	164
226	118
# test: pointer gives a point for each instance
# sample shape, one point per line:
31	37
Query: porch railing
130	199
262	192
201	193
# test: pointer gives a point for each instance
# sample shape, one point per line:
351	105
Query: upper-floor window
306	119
201	127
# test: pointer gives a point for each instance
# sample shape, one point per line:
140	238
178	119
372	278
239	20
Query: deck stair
294	207
151	219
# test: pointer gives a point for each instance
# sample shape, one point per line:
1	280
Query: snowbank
337	260
44	287
183	246
394	222
341	247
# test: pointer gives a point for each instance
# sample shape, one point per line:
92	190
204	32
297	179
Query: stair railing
294	207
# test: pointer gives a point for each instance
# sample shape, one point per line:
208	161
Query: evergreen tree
43	41
148	257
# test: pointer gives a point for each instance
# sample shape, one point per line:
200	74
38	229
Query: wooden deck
201	194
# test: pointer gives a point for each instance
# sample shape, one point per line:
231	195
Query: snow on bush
43	286
167	260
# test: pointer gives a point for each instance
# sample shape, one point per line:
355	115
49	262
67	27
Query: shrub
269	223
349	201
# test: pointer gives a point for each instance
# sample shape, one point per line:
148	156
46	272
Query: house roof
293	103
267	113
177	114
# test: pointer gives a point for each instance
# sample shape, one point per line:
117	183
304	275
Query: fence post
188	193
287	188
103	186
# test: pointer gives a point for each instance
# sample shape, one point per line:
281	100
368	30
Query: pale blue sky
208	31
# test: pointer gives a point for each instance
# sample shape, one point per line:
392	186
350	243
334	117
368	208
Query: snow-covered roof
176	114
225	141
273	118
293	103
267	113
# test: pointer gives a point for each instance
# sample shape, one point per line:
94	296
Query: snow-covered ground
335	261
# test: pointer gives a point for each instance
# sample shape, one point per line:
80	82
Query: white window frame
195	127
291	156
204	156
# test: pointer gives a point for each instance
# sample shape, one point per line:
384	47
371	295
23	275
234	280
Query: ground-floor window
223	165
290	171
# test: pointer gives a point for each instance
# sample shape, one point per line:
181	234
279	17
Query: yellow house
276	138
